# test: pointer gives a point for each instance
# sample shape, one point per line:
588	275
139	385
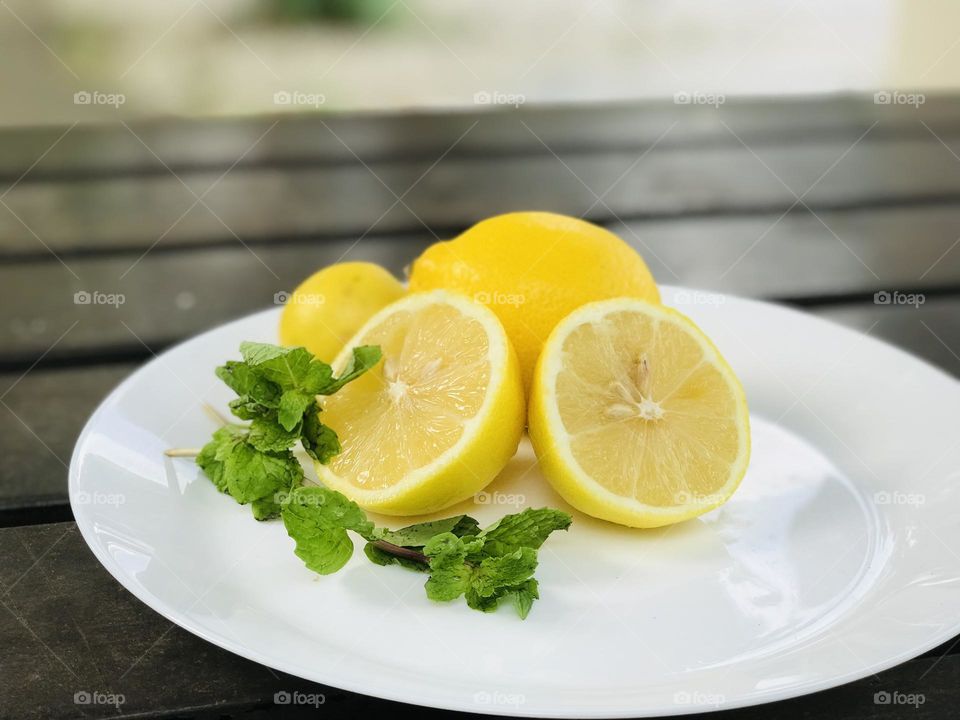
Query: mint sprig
276	391
487	567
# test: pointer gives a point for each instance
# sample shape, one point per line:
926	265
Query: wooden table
817	203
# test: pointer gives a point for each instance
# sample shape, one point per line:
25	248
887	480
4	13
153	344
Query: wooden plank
169	295
89	150
259	204
67	627
44	412
41	415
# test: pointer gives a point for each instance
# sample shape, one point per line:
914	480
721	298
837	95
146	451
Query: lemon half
437	418
635	416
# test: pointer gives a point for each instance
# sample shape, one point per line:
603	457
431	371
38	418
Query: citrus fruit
437	418
532	269
635	417
328	307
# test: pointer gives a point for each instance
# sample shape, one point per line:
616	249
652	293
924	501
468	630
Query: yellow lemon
532	269
437	418
635	417
330	306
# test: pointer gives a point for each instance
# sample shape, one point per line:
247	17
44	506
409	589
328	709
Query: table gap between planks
821	203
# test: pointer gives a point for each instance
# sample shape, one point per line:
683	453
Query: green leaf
266	508
320	441
244	380
496	573
523	596
293	404
267	436
364	358
251	474
211	455
450	575
318	519
527	529
290	368
416	536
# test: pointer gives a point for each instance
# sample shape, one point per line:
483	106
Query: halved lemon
437	418
636	417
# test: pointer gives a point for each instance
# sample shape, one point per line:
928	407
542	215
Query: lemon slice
437	418
635	416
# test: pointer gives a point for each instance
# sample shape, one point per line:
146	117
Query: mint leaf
320	441
245	381
523	596
252	474
208	460
497	573
527	529
267	436
364	358
318	519
379	556
290	368
450	575
293	404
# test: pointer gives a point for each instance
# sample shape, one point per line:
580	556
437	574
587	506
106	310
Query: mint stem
390	548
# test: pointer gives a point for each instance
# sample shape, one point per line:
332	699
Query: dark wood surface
816	203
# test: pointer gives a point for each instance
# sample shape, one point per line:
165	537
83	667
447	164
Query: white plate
833	561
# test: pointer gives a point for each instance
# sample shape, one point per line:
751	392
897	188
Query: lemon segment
635	416
533	269
437	419
330	306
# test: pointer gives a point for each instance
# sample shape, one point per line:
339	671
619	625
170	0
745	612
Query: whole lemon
533	269
330	306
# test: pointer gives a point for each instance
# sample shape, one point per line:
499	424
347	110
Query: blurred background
194	58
